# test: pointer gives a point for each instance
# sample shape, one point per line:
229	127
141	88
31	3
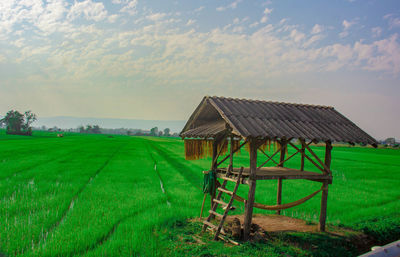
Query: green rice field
100	195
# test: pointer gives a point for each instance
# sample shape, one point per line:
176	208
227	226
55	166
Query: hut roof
265	119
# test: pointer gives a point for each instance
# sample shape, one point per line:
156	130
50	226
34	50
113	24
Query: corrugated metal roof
265	119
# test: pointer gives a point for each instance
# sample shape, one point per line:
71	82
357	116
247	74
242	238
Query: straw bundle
236	145
196	149
266	146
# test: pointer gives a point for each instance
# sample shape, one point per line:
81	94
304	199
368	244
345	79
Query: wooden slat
229	179
225	191
216	213
220	202
209	224
228	207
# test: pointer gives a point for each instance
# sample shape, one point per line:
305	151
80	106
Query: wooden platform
266	173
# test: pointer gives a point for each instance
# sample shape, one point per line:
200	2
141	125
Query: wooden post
231	156
213	167
324	197
248	214
303	148
282	158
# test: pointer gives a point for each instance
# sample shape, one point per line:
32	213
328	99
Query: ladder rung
209	224
221	232
216	213
220	202
229	179
225	191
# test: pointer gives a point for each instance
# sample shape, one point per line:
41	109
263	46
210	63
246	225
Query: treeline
17	123
95	129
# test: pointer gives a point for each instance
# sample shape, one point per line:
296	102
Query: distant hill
66	122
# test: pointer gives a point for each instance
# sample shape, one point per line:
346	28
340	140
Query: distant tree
89	128
43	127
81	129
154	131
390	141
160	133
166	132
18	123
96	129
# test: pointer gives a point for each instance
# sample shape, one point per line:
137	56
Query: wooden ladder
227	206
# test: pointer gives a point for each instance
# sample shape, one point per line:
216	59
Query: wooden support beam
269	158
326	169
283	143
303	148
311	160
324	205
213	167
231	156
324	197
227	157
248	214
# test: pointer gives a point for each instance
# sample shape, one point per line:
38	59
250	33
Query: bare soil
277	223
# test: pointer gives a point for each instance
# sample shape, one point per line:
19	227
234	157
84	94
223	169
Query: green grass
96	195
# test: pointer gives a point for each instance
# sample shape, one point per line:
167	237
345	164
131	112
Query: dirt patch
277	223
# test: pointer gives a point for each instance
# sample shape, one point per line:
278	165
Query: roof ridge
272	102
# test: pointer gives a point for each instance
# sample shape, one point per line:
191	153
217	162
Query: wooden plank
209	224
225	191
248	215
215	213
229	179
220	202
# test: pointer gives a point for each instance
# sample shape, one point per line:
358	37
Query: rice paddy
99	195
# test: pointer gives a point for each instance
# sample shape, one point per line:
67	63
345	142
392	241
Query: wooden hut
219	121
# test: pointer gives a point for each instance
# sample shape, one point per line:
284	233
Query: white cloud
190	22
113	18
394	22
232	5
317	29
201	8
90	10
130	7
376	31
266	12
297	36
156	16
254	24
347	24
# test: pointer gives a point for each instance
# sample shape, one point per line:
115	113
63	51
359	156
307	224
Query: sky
156	60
